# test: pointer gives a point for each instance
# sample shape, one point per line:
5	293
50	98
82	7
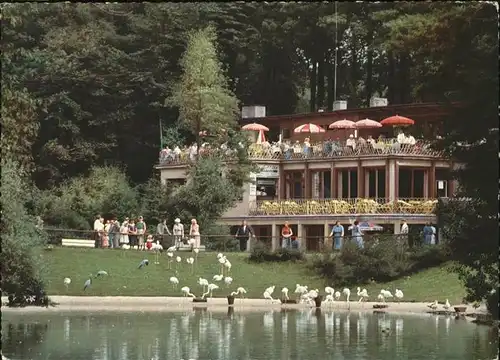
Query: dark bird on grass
87	283
143	262
101	273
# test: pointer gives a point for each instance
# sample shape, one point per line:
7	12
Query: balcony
343	207
317	151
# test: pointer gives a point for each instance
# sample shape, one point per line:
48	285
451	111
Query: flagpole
161	133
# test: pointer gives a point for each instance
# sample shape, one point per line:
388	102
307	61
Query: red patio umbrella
367	124
397	121
309	128
343	124
255	127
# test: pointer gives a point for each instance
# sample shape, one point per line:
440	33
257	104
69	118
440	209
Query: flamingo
381	297
211	288
218	277
347	294
203	282
222	261
228	265
187	291
270	289
387	294
329	299
267	295
399	294
447	305
157	248
329	290
363	294
337	295
66	282
285	293
170	259
433	305
228	280
174	281
101	273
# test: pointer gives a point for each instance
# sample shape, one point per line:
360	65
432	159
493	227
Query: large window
411	183
349	183
266	189
376	183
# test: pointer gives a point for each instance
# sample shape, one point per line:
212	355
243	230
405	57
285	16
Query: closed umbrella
261	138
255	127
309	128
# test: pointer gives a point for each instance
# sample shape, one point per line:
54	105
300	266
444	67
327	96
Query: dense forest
87	89
85	84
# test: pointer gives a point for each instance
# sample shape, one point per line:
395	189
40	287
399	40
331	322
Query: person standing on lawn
337	234
243	234
141	230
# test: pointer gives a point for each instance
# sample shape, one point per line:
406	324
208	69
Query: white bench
78	243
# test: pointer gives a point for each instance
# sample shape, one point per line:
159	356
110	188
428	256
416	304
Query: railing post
274	237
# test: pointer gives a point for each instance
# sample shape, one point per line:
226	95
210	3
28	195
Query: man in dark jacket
243	234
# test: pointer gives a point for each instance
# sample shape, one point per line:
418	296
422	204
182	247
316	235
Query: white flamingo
363	294
211	288
218	277
227	265
329	299
447	305
337	295
228	280
285	293
174	281
203	282
433	305
300	290
222	261
399	295
347	294
386	293
241	291
190	261
187	292
268	296
329	290
157	248
170	259
66	282
381	297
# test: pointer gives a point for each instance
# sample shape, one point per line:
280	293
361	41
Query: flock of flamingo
303	294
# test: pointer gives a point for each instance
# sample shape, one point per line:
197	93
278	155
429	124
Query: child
105	241
149	242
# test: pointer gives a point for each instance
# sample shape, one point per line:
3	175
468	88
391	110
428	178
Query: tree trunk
391	85
354	75
312	84
329	76
369	69
321	82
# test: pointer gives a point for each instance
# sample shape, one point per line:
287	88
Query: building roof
431	111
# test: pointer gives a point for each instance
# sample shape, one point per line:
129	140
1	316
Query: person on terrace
370	140
351	142
356	234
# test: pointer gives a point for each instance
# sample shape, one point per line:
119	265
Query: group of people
134	233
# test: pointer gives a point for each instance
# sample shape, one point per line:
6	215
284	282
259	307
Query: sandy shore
173	304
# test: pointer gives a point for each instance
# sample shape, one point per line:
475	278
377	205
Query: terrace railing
342	207
327	149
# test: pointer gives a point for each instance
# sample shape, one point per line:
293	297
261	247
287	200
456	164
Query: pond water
204	335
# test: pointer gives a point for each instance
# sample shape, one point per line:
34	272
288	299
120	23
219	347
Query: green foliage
381	262
219	238
75	204
206	195
21	269
202	95
260	254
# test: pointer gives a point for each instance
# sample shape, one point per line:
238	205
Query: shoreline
175	304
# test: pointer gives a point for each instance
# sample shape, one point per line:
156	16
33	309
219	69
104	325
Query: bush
381	262
260	254
75	204
21	269
218	238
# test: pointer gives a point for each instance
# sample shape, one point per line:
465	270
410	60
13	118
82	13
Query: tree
202	95
470	134
21	268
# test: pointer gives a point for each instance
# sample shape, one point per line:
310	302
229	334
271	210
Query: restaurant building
382	181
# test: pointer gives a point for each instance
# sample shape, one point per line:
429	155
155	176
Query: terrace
356	207
327	149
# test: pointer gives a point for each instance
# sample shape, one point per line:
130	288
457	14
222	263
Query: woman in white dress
124	232
194	233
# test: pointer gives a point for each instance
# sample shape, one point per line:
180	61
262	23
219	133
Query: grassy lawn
125	279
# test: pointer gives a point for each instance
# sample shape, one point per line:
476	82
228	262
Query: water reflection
286	334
